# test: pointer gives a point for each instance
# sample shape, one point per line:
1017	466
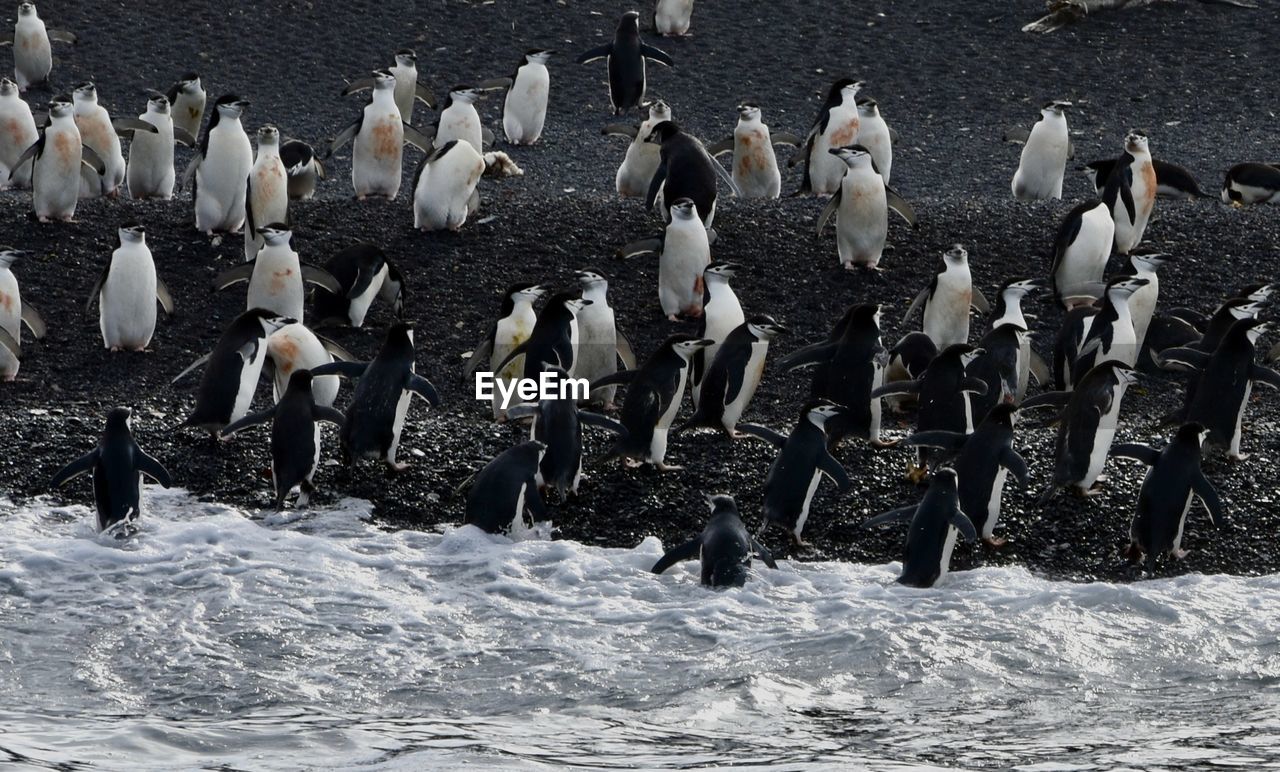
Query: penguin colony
967	388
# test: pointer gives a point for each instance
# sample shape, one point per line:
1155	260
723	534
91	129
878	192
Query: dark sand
1199	79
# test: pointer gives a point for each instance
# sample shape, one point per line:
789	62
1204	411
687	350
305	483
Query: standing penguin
1008	310
935	523
643	156
267	195
505	490
13	314
276	275
1251	184
908	359
295	437
515	323
32	52
1090	338
836	126
127	292
999	366
734	375
102	135
684	253
187	99
118	465
1080	251
459	119
56	158
149	172
1166	495
801	462
363	272
1172	181
220	167
1044	156
625	58
861	205
303	167
876	136
525	109
1142	304
947	300
724	547
293	348
407	91
721	315
19	134
1130	194
379	134
600	343
375	416
553	340
685	170
671	18
444	187
755	166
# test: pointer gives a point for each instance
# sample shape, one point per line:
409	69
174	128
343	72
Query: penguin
654	394
907	360
293	348
19	133
671	19
721	314
836	126
1251	184
187	99
363	273
102	135
1106	334
444	187
684	252
276	275
220	167
999	366
515	323
1224	382
797	470
117	465
459	120
1174	477
849	364
982	462
231	370
267	191
127	292
1172	181
378	135
505	489
1008	310
724	547
295	437
861	205
1130	194
149	172
13	314
1142	304
643	156
876	136
525	108
734	375
625	58
600	343
407	91
1080	251
685	170
1044	156
945	303
553	339
32	49
755	166
1086	426
936	522
375	416
56	158
303	167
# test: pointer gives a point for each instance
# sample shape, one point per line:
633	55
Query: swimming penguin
1172	181
1130	194
643	156
1165	498
375	416
505	490
1087	425
1252	184
231	370
946	301
363	273
907	360
999	366
56	160
876	136
935	523
1008	310
1080	251
861	206
553	339
13	314
102	135
378	135
267	195
293	348
444	187
32	52
734	375
127	292
755	166
671	19
19	134
849	365
655	392
149	172
295	437
982	461
525	109
220	167
1142	304
600	343
118	465
724	547
276	275
1044	156
303	167
625	58
408	89
684	253
836	126
801	462
515	323
187	99
685	170
721	314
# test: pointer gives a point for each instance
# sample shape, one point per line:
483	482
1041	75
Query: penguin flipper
655	184
34	322
321	278
1262	375
253	419
356	86
1013	461
6	39
61	36
651	245
31	152
424	95
1039	368
189	173
938	438
723	174
424	388
482	353
346	369
97	286
657	54
595	419
202	360
974	385
487	137
1047	399
625	352
894	137
1208	496
892	516
1126	193
1017	135
418	139
522	412
687	551
980	302
163	296
785	138
764	554
335	349
899	204
1137	451
620	130
184	137
515	352
763	433
835	470
126	126
495	84
720	146
344	136
917	304
326	413
533	500
829	209
242	272
151	467
1181	358
76	468
896	389
599	52
809	355
964	525
90	158
8	343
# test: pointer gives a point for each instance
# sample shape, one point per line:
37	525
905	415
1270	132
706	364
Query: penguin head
1002	413
1136	142
157	103
189	83
276	234
957	352
9	255
85	92
299	381
819	411
854	156
399	337
383	80
1252	329
270	320
60	106
663	132
862	315
684	209
521	290
8	87
1259	292
534	448
231	106
721	504
944	480
268	135
686	345
630	22
118	421
1121	288
1242	308
27	9
574	305
765	327
720	271
464	93
868	107
132	233
1054	109
1123	374
1020	288
538	55
406	58
748	112
1149	263
590	278
1191	432
844	90
956	256
659	111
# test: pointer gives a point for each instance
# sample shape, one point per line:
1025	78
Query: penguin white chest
276	284
862	222
755	167
946	315
127	305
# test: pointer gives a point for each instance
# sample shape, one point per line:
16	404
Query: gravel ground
949	79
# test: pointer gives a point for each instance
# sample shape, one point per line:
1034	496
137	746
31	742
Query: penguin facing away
724	547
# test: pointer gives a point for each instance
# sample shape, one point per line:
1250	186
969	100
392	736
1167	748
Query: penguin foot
995	542
879	443
669	467
396	467
1236	458
1179	554
631	463
672	318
